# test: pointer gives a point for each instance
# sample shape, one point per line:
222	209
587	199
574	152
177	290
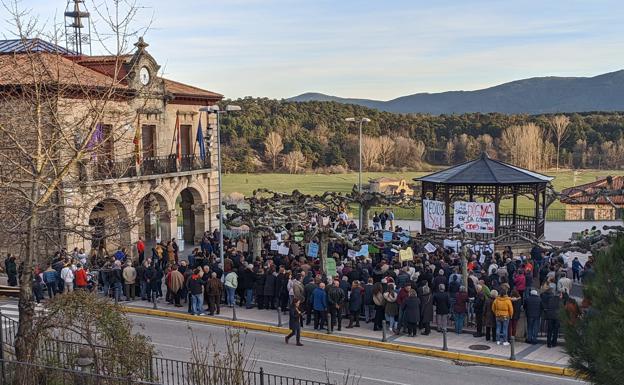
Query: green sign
330	267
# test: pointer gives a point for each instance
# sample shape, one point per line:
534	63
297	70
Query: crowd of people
409	297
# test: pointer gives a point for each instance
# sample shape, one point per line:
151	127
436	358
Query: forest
276	135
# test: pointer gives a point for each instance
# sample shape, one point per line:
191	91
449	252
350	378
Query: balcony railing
127	168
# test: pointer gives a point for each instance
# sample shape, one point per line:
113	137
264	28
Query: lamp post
215	109
361	121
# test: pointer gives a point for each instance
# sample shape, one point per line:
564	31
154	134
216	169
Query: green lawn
319	183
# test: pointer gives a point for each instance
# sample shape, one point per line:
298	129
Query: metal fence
54	353
20	373
552	215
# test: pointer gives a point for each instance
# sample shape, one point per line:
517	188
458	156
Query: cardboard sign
406	255
474	217
450	244
298	236
430	247
313	249
387	236
283	250
434	214
274	245
330	267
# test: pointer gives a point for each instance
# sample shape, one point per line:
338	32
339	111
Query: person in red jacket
520	282
81	277
141	249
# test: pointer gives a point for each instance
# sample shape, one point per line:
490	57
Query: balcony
127	168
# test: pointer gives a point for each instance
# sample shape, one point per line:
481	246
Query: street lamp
215	109
361	121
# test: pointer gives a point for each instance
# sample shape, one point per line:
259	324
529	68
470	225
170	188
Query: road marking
297	366
377	351
312	340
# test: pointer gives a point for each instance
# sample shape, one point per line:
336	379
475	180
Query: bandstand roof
485	171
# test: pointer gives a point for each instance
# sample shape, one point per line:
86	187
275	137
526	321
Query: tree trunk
256	242
558	144
464	266
364	218
23	340
324	243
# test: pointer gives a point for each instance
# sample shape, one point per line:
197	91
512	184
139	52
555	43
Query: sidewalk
536	354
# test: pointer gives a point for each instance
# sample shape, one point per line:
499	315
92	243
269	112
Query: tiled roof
485	171
48	67
585	193
182	89
107	65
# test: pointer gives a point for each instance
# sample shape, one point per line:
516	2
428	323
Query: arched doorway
189	208
154	222
110	226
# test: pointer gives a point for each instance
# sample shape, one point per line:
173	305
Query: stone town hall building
145	179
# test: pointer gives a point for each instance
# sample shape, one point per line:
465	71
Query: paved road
376	367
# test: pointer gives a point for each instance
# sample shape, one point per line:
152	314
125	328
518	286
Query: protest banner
406	255
363	251
434	214
274	245
474	217
387	236
430	247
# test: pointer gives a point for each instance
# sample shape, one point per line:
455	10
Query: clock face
144	76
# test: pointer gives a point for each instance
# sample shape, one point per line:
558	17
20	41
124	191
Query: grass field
319	183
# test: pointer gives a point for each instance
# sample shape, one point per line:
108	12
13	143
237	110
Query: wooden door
185	139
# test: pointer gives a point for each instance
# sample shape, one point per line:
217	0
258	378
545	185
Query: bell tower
77	27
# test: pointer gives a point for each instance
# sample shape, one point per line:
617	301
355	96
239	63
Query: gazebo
468	197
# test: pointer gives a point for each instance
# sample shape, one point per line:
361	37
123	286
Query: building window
589	214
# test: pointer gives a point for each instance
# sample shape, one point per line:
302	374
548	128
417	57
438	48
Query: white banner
474	217
435	213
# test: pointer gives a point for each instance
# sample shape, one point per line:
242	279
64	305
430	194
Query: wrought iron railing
14	372
159	370
128	168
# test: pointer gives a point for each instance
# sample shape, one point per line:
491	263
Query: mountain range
537	95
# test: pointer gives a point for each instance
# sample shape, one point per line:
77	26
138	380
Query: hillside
531	96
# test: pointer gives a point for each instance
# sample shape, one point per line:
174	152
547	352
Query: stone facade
147	181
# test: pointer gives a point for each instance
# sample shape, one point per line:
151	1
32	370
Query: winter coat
231	280
308	290
269	285
298	291
461	302
442	302
517	308
502	307
129	275
195	285
411	310
368	294
247	279
356	300
175	281
533	306
479	303
335	296
520	282
259	284
426	307
81	278
551	305
214	287
392	307
489	320
319	299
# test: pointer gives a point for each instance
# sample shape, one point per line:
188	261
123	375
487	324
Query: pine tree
595	342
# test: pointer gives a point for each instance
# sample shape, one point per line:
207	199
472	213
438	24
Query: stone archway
190	208
154	219
110	226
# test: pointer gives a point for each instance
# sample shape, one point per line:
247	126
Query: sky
368	49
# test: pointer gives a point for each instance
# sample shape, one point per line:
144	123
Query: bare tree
294	161
559	128
449	152
371	150
273	146
524	145
50	127
408	152
386	150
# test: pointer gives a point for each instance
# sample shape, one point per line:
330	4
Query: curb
492	361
